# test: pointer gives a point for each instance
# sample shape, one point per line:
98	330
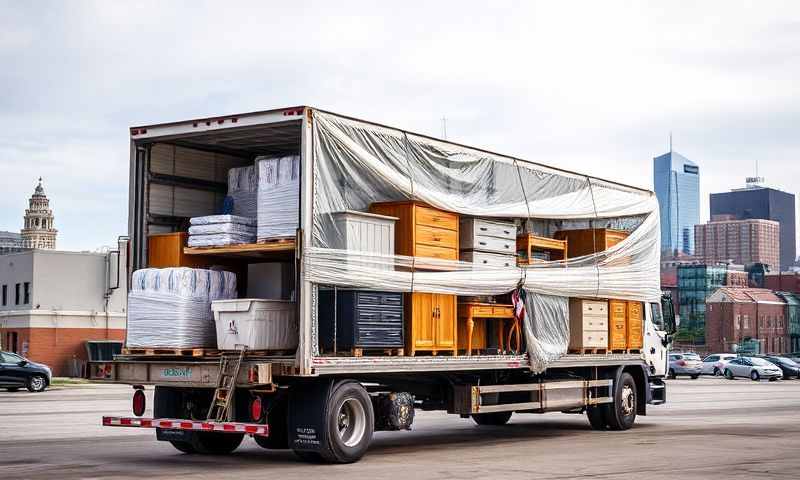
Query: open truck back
479	335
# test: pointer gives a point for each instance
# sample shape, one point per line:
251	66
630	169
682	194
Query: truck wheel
350	423
597	417
277	418
622	413
184	447
494	418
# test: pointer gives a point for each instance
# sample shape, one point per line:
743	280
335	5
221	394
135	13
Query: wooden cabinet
424	231
617	325
363	320
433	322
166	250
531	249
635	339
588	324
421	230
590	240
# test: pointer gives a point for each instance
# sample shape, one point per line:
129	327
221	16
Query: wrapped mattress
243	189
278	196
220	230
171	307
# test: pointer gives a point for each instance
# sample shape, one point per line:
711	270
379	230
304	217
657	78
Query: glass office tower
676	181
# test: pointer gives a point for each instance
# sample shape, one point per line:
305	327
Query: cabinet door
423	330
445	321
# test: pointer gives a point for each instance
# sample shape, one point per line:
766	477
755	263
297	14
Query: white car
753	367
715	364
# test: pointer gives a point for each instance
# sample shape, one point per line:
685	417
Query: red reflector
221	121
139	403
255	409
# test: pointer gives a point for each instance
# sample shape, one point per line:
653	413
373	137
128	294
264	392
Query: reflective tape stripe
174	424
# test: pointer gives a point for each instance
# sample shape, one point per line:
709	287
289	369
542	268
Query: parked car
714	364
753	367
789	367
18	372
684	364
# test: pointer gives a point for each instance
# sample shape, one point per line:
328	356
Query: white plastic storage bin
363	232
255	323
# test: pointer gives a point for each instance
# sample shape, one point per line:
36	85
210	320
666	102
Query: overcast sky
592	86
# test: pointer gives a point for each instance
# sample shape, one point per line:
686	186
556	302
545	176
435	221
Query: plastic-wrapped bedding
356	163
171	307
222	228
278	196
243	188
220	239
221	219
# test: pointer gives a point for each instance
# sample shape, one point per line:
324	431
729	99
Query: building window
747	321
16	294
5	295
26	293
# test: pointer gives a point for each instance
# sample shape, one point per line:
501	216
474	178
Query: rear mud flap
308	403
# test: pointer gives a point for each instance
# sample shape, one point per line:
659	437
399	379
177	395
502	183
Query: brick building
742	242
740	316
783	281
52	302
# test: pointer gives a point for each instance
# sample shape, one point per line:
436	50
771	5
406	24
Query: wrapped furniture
243	189
171	307
219	230
278	197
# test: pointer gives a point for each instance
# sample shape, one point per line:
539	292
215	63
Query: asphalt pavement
711	429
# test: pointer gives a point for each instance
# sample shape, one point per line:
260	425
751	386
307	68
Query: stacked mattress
171	307
219	230
243	189
278	196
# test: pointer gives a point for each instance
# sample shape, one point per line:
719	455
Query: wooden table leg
501	325
470	326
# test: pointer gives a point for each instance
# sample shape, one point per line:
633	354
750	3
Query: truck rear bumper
179	424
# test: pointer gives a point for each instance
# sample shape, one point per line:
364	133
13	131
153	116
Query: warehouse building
746	320
52	302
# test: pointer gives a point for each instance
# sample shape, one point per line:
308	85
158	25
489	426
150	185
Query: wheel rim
37	383
628	399
351	422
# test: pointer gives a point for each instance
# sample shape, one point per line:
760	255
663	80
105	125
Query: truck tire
277	419
349	422
597	417
621	414
184	447
494	418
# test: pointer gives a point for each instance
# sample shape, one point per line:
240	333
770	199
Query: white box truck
325	403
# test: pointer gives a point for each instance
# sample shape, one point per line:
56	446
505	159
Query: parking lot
711	429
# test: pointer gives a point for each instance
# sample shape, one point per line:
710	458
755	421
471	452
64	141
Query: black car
17	372
789	367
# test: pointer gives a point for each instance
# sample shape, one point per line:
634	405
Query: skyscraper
756	201
676	180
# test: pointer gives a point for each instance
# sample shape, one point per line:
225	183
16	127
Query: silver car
753	367
715	364
684	364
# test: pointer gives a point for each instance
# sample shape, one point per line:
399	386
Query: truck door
655	340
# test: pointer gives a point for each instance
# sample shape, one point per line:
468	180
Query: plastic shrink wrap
219	239
171	307
357	163
243	189
220	230
278	196
222	219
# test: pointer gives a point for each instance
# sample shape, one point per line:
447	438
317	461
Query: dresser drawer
431	251
482	310
490	244
436	218
371	315
595	323
503	311
471	227
378	336
367	298
439	237
590	307
488	259
594	339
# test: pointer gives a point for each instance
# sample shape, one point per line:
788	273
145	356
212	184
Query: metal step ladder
226	382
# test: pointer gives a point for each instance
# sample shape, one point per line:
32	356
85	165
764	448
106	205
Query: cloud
588	86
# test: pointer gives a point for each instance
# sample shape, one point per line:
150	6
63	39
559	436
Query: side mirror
22	363
671	321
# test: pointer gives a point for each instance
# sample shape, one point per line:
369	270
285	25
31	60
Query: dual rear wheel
620	414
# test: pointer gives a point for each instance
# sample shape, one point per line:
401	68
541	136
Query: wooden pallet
588	351
371	352
627	351
277	241
172	352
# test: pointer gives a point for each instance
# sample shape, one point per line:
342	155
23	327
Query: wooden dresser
166	250
588	325
625	325
424	231
361	320
635	328
590	240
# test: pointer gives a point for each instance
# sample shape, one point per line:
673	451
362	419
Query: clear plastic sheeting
546	337
220	239
217	219
357	164
278	196
221	228
171	307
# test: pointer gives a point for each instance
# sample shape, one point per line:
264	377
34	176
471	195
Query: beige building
738	241
39	231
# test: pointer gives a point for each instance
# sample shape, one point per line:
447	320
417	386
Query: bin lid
243	304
